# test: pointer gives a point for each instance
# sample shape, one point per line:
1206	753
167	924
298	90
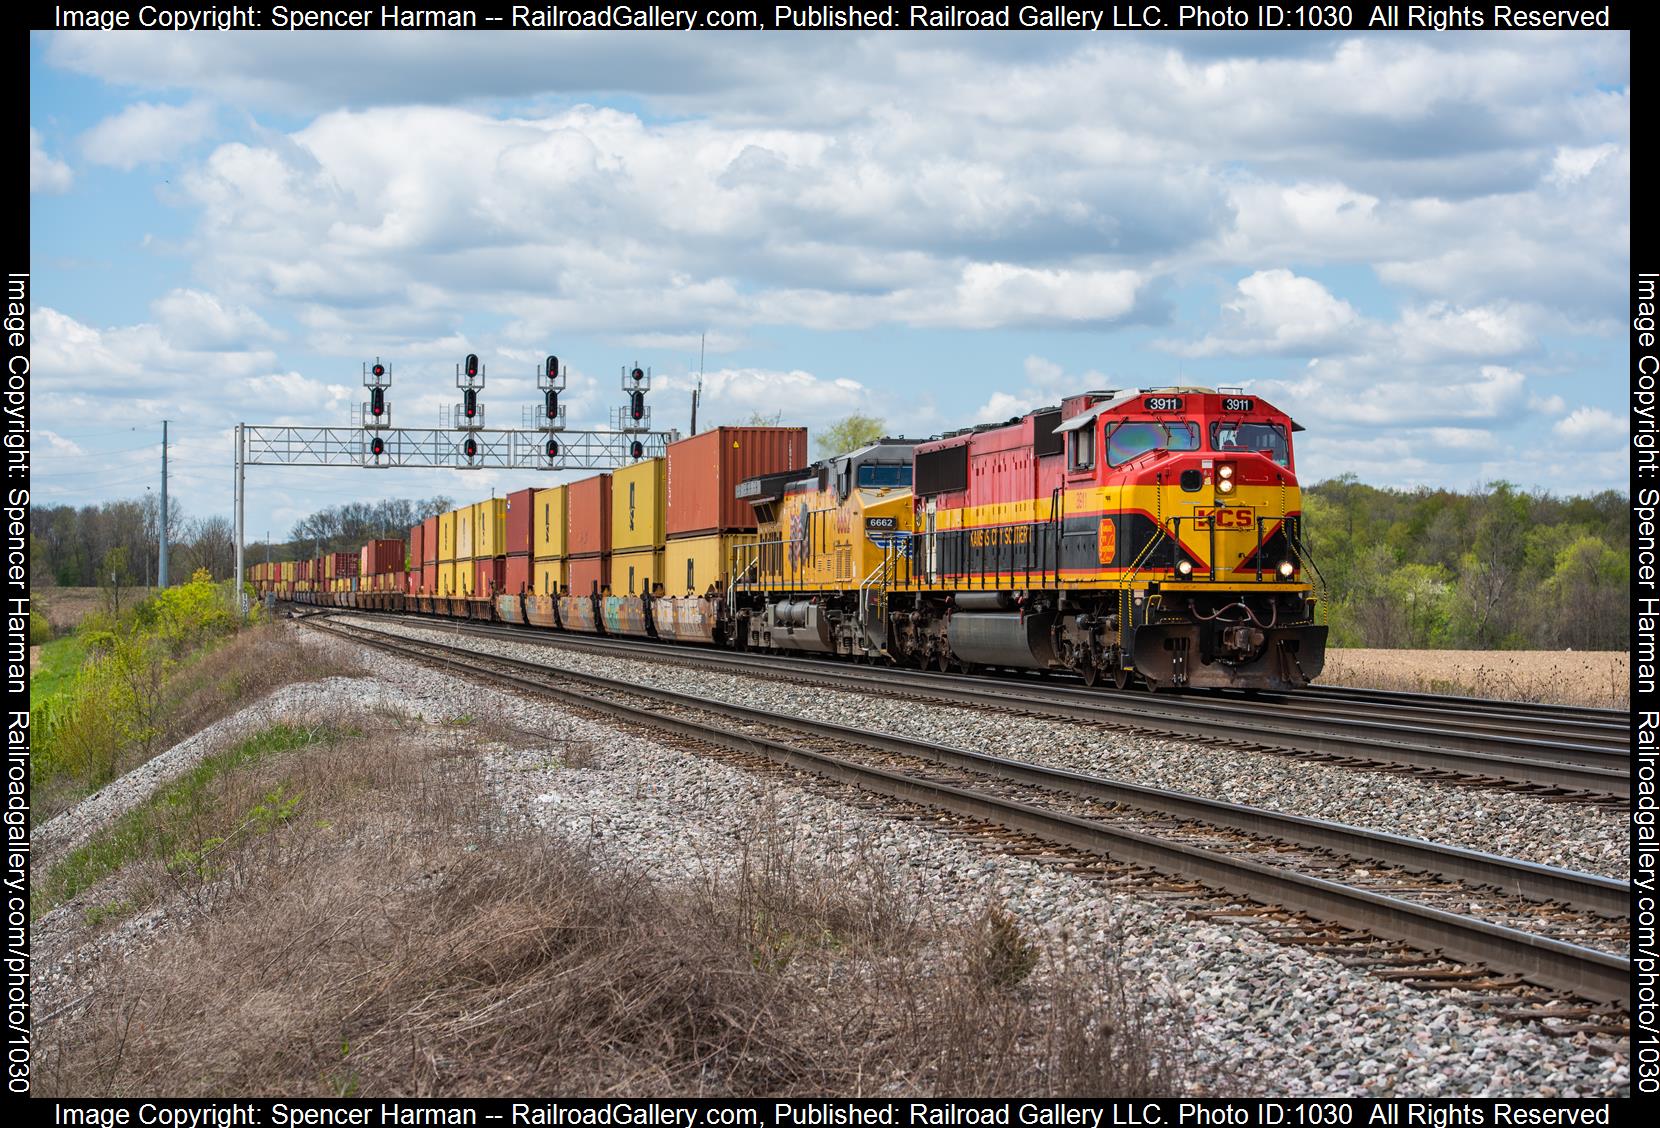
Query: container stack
707	522
489	548
417	545
548	572
588	535
380	566
428	557
465	576
447	588
638	498
521	512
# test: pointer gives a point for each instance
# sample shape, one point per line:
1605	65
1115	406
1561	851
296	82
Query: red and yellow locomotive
1151	535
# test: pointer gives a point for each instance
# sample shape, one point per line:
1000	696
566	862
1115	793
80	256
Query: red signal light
636	448
471	365
377	446
551	366
471	449
553	449
379	370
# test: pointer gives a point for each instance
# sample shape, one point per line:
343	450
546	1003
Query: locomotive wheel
1091	675
942	661
1121	678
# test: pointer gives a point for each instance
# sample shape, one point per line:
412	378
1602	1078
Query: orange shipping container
587	571
520	506
588	524
704	470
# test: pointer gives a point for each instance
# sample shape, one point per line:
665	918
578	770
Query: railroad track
1431	915
1583	762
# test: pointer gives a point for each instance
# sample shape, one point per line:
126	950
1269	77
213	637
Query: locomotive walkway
1406	908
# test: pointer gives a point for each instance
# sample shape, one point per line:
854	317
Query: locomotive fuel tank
1003	638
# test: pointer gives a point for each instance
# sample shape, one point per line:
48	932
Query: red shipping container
416	534
520	504
704	470
492	577
429	578
381	556
518	567
429	540
588	517
587	571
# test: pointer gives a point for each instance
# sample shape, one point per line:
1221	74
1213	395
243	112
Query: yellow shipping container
466	579
548	576
490	527
691	565
446	579
638	496
547	524
463	533
446	537
635	572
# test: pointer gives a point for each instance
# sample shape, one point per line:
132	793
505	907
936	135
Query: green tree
849	434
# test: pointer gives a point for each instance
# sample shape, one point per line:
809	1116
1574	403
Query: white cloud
1594	426
146	133
198	320
1276	311
46	172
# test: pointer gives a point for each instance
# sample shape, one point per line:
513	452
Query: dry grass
65	607
1561	677
377	940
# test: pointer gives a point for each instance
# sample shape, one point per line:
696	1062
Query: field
65	607
1562	677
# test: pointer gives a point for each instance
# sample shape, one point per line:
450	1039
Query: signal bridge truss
267	445
434	449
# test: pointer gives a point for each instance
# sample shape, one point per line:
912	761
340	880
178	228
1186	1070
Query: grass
59	660
168	827
385	937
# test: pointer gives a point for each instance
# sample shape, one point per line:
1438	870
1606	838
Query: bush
40	630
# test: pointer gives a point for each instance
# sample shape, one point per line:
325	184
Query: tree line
118	542
1497	568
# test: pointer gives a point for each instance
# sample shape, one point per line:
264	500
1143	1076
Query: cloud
1278	312
1594	426
146	133
46	173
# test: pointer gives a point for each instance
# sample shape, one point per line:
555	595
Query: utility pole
161	566
697	392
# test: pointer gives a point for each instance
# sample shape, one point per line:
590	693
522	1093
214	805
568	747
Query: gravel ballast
1589	839
1288	1019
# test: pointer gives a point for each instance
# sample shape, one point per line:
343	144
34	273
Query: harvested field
65	607
1600	678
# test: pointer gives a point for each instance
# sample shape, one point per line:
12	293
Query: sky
1416	244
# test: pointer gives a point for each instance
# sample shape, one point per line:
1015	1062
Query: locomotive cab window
1080	448
880	476
1267	438
1134	439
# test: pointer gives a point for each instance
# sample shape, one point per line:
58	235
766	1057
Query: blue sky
1416	244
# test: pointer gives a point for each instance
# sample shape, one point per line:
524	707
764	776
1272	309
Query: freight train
1136	537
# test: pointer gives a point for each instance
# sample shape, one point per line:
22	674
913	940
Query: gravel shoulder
1588	839
1292	1021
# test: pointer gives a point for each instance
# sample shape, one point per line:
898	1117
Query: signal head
377	446
637	405
379	369
637	448
469	403
377	401
637	375
471	365
551	367
552	449
470	447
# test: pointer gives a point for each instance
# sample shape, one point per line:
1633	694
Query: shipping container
548	527
446	579
704	470
429	540
637	572
446	538
489	576
548	577
490	527
429	578
464	532
518	573
588	516
694	565
380	556
637	501
466	579
521	506
587	571
417	544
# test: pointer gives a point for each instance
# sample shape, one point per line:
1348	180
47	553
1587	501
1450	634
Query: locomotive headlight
1185	567
1225	486
1225	470
1286	568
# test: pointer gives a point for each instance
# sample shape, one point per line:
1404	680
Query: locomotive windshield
879	477
1269	438
1130	440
